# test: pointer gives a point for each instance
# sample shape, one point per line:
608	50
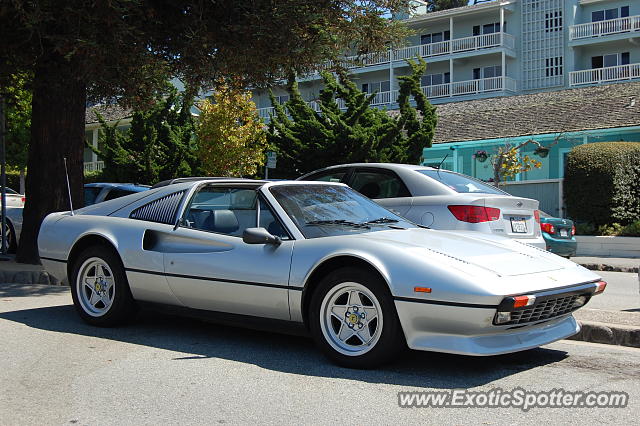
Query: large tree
128	48
306	139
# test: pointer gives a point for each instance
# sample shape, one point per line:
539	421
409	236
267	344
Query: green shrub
92	177
601	183
612	229
585	228
631	230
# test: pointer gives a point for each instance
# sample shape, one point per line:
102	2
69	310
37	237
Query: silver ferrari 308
364	281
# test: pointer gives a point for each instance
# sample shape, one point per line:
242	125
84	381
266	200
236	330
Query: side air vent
162	210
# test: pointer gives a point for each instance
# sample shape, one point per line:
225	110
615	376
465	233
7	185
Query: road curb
609	268
28	277
609	334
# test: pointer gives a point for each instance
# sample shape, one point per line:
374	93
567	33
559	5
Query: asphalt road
621	293
54	369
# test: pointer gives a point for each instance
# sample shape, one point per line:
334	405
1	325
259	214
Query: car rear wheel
100	289
353	319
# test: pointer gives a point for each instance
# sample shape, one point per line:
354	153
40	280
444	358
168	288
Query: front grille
546	309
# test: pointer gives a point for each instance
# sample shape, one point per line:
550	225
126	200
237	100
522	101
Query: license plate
518	226
564	233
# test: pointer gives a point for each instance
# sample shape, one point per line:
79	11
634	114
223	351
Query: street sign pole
3	180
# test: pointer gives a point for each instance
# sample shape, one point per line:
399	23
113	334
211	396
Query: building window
435	79
554	66
487	72
606	14
435	37
378	86
553	21
612	60
282	99
488	28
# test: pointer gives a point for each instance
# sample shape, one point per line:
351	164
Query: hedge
602	183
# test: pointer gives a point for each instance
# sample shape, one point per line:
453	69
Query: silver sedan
363	281
440	199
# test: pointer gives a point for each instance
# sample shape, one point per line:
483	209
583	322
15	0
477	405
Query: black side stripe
444	303
53	260
224	280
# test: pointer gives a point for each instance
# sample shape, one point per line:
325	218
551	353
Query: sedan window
460	183
328	176
378	185
90	195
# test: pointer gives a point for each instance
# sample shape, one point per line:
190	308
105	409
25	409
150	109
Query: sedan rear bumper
469	331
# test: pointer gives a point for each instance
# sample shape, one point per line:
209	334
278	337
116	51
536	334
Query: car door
211	267
383	186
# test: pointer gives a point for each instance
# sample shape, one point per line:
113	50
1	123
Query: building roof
570	110
110	112
456	11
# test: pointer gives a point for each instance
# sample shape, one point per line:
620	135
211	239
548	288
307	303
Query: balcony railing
602	75
603	28
466	44
93	166
457	88
470	87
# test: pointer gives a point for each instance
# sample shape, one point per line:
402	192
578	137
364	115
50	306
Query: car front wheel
100	289
353	319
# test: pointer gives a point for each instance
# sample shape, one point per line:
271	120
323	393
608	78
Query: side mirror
259	236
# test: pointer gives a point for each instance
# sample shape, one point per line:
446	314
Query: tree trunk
57	131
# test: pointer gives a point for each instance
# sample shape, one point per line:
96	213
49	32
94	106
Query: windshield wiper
338	222
383	220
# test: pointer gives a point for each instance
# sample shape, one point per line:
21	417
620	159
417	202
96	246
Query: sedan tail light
23	199
536	215
548	228
573	230
475	214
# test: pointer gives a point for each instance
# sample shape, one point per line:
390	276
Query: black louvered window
162	210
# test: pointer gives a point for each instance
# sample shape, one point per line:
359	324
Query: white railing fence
600	75
93	166
602	28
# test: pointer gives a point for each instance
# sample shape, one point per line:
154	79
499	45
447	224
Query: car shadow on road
286	353
22	290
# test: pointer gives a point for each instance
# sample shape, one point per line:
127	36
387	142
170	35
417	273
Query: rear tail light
573	230
548	228
23	199
475	214
536	215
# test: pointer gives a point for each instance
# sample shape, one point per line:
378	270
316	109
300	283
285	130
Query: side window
223	210
268	221
90	195
116	193
329	176
375	184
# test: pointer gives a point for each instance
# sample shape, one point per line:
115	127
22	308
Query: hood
500	255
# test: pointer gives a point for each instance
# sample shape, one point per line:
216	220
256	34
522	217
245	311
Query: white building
501	48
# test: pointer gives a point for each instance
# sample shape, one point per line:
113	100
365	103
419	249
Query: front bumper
499	342
471	330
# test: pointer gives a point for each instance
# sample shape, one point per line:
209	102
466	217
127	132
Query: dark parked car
98	192
559	234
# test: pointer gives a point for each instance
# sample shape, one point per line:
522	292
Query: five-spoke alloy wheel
100	289
353	319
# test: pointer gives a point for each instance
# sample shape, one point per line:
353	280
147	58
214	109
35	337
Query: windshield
329	210
461	183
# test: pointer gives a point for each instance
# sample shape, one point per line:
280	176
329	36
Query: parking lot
55	369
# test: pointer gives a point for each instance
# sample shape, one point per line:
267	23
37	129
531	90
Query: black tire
12	246
391	339
122	308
